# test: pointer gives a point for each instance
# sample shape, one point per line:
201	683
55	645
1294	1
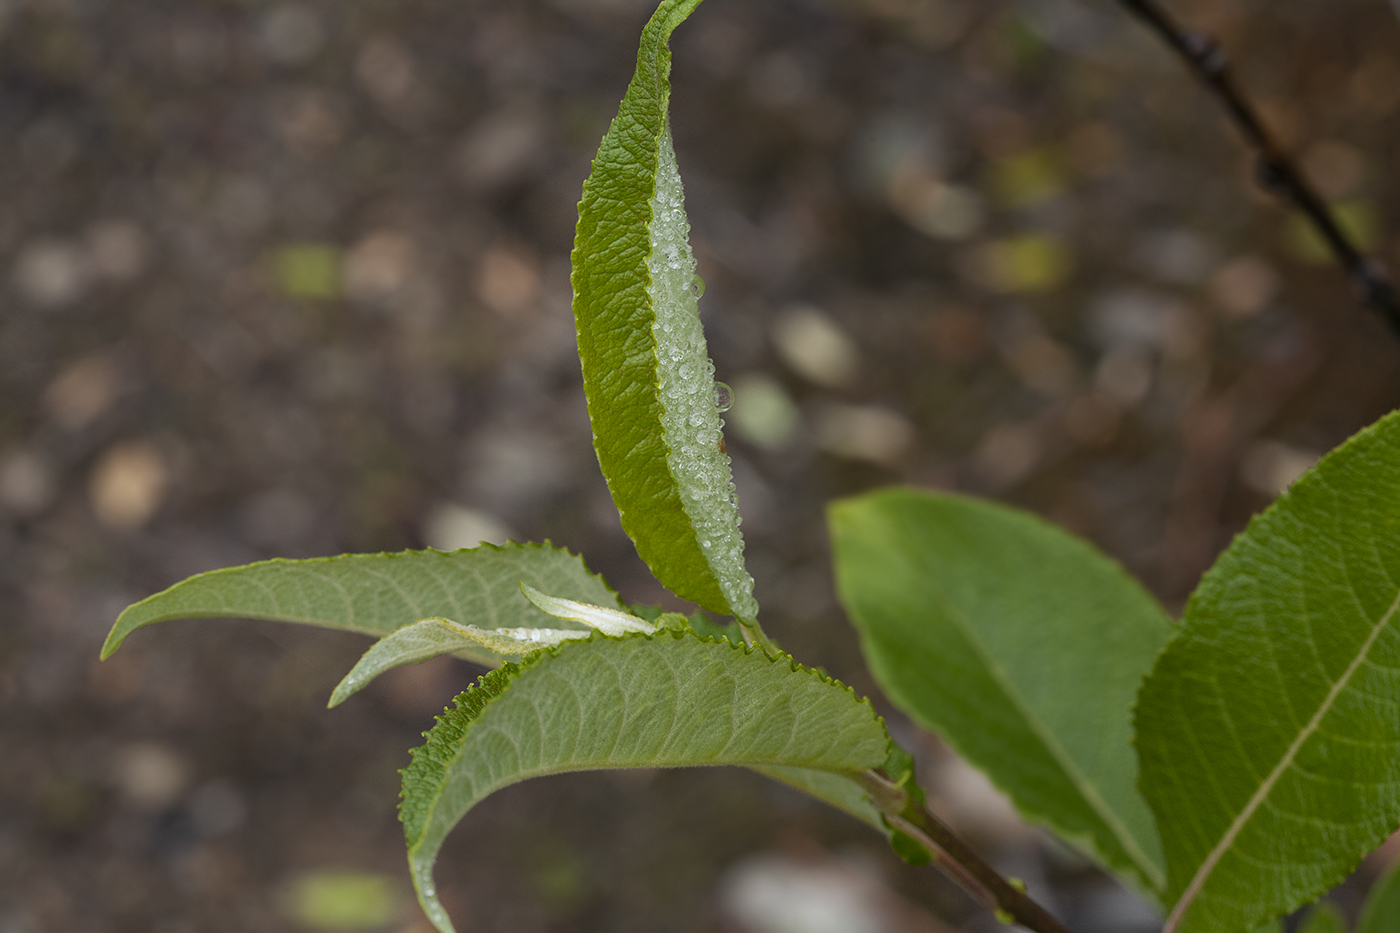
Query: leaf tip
421	871
110	646
342	692
116	636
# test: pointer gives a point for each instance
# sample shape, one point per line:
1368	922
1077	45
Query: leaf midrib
1237	825
1151	871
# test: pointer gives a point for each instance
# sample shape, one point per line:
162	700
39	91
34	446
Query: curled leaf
650	384
607	621
665	700
429	638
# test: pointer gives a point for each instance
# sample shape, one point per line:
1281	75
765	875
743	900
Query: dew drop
697	286
724	396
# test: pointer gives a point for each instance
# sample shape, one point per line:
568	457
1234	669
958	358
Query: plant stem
754	635
955	857
1275	170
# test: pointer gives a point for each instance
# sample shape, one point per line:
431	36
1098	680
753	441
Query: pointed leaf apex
607	621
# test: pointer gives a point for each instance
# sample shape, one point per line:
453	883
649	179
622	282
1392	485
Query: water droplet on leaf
697	286
724	396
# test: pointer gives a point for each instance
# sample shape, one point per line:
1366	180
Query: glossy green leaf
1382	911
649	382
378	593
1018	643
1269	730
668	700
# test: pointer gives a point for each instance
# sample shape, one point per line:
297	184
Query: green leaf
831	788
698	622
649	382
1324	918
1018	643
702	625
844	793
378	593
432	637
667	700
1382	911
1269	730
421	641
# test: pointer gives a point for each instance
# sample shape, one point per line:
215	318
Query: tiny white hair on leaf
607	621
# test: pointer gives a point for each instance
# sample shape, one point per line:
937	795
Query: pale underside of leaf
1021	646
1269	731
608	621
686	384
430	638
838	790
669	700
375	594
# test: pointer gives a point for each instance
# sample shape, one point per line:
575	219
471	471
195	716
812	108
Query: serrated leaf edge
472	703
1184	628
469	706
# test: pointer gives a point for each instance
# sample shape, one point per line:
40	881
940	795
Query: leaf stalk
754	635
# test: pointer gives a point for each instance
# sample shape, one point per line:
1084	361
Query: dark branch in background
956	859
1276	171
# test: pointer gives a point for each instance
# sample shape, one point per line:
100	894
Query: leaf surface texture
668	700
1269	730
648	378
379	593
1021	645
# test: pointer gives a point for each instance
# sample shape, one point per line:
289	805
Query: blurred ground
292	279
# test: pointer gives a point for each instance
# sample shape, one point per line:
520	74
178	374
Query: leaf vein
1261	794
